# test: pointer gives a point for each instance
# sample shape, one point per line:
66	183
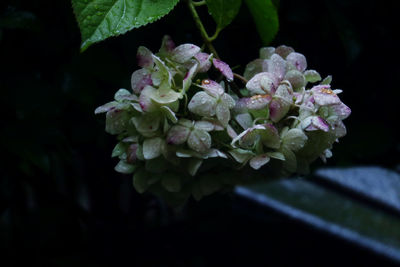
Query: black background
62	204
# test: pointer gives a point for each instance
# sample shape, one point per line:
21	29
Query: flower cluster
182	133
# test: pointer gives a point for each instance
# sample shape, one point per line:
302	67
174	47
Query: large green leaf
101	19
265	16
223	11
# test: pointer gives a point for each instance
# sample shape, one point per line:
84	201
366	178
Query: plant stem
199	3
207	40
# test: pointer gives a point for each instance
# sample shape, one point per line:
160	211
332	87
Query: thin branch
201	28
240	77
199	3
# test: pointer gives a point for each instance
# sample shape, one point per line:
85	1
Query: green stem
199	3
207	40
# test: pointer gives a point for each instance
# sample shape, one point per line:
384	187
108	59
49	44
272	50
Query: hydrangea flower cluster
182	133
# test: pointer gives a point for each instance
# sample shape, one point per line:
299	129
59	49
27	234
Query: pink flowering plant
189	126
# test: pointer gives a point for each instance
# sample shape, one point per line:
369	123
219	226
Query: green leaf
265	16
223	11
101	19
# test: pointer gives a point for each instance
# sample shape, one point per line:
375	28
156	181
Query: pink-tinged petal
298	60
145	99
144	57
278	109
223	68
140	79
212	88
204	60
261	83
277	66
323	95
258	161
341	110
298	97
270	136
106	107
249	137
177	135
314	123
187	80
266	52
284	51
184	52
167	44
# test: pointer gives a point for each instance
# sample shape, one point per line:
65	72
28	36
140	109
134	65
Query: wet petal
140	79
277	66
314	123
258	102
177	135
165	96
152	148
284	51
147	123
204	125
204	60
184	52
199	141
228	100
294	139
223	68
162	74
245	120
145	99
116	121
203	104
266	52
296	79
258	161
106	107
124	167
241	155
144	57
270	136
340	110
223	113
298	60
248	137
212	87
323	95
262	83
312	76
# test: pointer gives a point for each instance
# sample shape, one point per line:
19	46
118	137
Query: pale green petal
223	113
152	148
276	155
204	125
258	161
124	167
241	155
169	114
312	76
290	163
228	100
106	107
245	120
199	141
294	139
187	80
203	104
165	96
184	52
147	124
194	165
270	136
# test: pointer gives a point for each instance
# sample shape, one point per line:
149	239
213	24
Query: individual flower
213	101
